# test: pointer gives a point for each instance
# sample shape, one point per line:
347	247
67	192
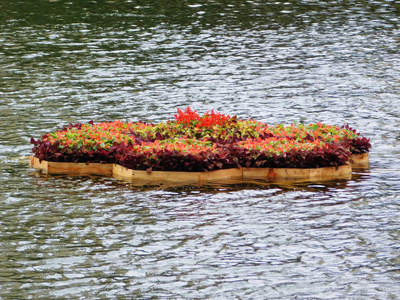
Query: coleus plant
197	143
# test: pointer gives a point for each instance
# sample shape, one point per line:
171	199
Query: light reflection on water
92	237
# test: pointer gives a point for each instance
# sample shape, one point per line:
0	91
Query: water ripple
280	62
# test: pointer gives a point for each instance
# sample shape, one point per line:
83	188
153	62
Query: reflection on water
276	61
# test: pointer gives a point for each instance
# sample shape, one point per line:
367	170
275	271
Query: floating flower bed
208	143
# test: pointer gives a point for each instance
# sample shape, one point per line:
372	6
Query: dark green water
98	238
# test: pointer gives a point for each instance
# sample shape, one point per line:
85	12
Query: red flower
187	117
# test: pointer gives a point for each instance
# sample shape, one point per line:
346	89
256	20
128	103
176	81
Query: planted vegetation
192	142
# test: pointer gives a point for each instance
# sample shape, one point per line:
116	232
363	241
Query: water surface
278	62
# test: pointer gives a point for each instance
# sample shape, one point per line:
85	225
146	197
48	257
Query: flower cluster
279	146
93	137
196	143
212	119
208	120
187	117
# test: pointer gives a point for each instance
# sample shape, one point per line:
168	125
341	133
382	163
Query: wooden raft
269	174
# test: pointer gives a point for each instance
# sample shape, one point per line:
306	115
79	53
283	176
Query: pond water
69	237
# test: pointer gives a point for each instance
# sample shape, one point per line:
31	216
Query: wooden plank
236	173
360	160
37	164
273	174
269	174
71	168
125	173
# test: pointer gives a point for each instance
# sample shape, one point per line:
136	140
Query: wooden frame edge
360	160
71	168
120	172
